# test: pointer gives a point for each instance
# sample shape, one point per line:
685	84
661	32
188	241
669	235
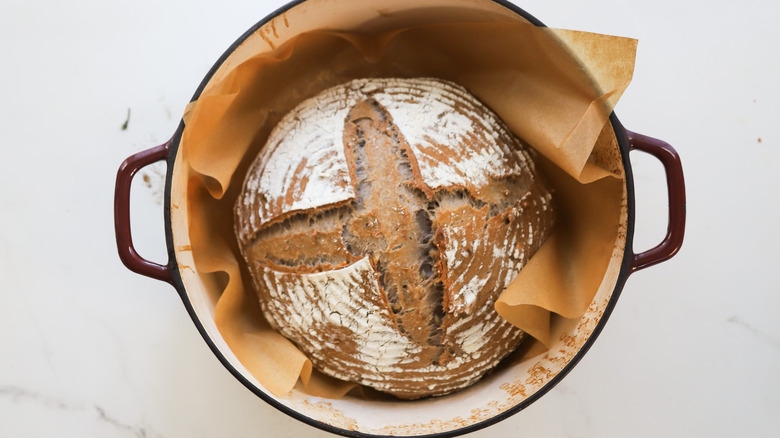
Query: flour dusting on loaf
380	223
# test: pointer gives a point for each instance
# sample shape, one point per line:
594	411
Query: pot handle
675	183
124	239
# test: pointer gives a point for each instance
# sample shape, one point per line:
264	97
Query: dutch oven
446	416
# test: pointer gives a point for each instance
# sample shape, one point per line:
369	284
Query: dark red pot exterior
632	262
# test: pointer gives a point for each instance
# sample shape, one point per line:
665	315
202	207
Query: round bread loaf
380	223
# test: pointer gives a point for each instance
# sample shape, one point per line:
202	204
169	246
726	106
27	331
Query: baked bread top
380	223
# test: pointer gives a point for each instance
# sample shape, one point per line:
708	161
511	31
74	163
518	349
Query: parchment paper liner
522	72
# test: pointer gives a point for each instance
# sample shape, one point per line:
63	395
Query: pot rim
177	282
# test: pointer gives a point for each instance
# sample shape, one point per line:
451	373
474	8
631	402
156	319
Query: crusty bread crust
381	222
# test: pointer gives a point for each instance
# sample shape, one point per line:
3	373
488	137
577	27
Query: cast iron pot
171	273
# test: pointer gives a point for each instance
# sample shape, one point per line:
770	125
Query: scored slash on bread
380	223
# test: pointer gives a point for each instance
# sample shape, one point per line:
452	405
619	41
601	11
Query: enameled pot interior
498	394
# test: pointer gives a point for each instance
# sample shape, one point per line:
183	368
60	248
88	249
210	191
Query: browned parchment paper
520	71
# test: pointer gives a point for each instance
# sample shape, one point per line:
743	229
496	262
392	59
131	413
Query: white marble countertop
90	349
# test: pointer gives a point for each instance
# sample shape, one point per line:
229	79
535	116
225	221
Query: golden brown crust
393	284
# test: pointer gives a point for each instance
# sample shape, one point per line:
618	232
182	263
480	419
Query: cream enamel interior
494	394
